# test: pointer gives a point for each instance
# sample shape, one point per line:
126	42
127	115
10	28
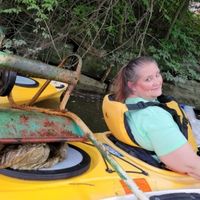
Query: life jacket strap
140	153
141	105
183	126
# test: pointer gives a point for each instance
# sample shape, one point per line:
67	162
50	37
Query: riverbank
86	99
185	91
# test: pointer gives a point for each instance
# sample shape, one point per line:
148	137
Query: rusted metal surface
37	125
42	70
78	65
25	124
70	88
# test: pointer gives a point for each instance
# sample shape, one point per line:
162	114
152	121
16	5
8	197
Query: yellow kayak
85	173
88	176
25	88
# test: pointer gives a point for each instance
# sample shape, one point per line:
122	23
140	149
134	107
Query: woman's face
149	82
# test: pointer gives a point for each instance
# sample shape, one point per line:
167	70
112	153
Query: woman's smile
149	82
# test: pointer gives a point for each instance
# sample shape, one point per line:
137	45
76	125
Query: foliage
113	31
179	55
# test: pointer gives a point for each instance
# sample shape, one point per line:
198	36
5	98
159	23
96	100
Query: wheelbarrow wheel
7	81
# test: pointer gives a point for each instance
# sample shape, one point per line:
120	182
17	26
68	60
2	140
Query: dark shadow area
89	111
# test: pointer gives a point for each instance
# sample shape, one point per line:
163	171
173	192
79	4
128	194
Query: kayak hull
24	92
85	186
99	181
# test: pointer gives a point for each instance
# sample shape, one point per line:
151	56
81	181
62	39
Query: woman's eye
148	79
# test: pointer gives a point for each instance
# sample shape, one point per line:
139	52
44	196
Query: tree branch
175	19
146	27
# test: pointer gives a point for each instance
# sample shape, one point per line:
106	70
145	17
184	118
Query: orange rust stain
23	119
68	122
49	123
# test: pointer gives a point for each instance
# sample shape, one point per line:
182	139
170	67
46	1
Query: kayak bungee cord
109	170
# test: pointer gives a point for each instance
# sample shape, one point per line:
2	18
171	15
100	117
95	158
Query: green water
87	109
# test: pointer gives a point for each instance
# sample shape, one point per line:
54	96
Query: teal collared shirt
154	128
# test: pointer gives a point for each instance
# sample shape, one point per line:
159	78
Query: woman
154	128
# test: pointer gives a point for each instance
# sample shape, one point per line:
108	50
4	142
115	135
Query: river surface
86	107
